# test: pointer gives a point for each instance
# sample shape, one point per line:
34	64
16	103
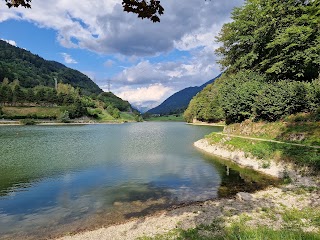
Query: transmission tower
56	83
109	85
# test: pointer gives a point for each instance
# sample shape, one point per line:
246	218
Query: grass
237	231
301	155
241	229
171	118
299	128
129	117
295	218
30	112
101	115
264	233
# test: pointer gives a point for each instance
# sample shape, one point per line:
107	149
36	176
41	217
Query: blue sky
146	62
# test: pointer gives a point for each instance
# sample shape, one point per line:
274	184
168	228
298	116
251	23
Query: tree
17	3
279	38
18	95
115	113
238	95
144	9
205	106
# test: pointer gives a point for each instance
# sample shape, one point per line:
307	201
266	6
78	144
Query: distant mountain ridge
179	101
32	70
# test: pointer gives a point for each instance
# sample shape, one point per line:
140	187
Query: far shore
207	124
17	123
190	216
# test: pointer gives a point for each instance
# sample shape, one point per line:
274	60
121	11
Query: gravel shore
277	199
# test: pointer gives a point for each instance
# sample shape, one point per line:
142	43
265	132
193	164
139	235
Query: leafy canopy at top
279	38
144	9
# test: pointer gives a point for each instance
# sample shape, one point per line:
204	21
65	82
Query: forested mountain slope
32	70
179	101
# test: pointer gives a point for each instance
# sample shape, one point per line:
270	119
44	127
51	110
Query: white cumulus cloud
151	93
68	59
12	42
103	27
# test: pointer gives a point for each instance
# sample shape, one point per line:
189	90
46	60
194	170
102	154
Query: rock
137	203
244	196
117	204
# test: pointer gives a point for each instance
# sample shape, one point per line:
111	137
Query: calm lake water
60	179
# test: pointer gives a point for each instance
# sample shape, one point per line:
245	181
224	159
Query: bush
64	117
238	95
313	95
116	113
280	99
94	112
110	109
27	121
205	106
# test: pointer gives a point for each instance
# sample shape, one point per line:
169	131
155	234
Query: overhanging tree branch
150	9
17	3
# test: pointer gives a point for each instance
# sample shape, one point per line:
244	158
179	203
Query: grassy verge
300	155
299	128
31	112
129	117
101	115
169	118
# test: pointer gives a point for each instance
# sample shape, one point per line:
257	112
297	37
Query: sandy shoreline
190	216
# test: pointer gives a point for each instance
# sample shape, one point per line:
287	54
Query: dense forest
271	51
27	80
32	70
73	104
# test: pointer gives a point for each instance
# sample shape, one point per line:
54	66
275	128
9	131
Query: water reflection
90	176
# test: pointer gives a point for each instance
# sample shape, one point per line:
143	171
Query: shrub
27	121
238	95
116	113
64	117
313	95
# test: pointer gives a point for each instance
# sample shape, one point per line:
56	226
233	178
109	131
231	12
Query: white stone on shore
244	196
241	158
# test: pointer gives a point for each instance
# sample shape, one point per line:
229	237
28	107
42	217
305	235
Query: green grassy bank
55	114
169	118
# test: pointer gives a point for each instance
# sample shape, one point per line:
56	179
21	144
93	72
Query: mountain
32	70
179	101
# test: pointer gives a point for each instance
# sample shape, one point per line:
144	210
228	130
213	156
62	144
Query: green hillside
272	65
28	91
32	70
178	102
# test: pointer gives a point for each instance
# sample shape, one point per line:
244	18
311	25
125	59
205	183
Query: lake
63	179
